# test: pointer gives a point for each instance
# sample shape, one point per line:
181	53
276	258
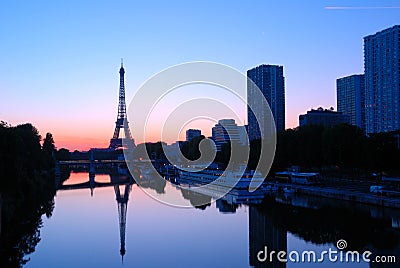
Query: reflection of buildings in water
264	233
395	222
364	227
200	194
153	181
262	230
394	250
197	200
329	223
313	219
225	207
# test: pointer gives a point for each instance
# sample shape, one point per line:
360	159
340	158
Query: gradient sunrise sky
60	59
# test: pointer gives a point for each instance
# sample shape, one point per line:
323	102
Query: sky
60	59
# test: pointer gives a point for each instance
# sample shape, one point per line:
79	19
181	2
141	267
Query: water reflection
188	237
122	201
116	178
21	212
264	232
319	221
323	226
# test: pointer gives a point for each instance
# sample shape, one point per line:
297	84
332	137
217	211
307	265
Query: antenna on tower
122	62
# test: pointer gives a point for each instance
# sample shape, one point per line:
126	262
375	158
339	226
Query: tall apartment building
382	80
350	98
270	80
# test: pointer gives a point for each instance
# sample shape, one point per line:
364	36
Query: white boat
297	178
238	179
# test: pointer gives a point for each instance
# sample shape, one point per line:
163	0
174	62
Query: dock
354	191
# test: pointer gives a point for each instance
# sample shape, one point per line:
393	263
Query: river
86	230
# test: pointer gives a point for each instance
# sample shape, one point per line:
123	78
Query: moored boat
238	179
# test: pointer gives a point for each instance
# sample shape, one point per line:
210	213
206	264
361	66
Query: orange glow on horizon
101	140
80	143
79	136
293	123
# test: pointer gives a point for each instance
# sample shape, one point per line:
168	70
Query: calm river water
87	230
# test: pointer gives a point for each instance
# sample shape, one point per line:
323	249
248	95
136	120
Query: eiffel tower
122	201
122	121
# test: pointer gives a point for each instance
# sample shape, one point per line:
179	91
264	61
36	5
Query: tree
63	154
48	149
343	145
382	152
27	193
190	149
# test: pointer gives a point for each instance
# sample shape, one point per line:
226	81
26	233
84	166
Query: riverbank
354	191
335	188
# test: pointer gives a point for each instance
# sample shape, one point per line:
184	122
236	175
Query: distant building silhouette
191	133
323	117
382	80
351	98
270	80
226	130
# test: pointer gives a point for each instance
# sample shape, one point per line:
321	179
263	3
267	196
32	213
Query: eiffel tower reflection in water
122	201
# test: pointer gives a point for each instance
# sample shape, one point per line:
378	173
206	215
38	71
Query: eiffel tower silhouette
122	121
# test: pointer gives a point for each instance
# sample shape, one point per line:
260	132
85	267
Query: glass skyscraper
270	80
382	80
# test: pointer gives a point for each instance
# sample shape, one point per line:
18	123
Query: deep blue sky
60	59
